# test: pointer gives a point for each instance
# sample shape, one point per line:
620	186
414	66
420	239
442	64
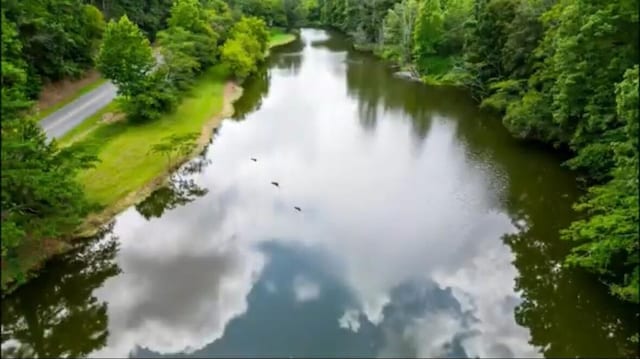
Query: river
423	230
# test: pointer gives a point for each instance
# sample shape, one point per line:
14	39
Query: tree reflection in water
56	315
180	190
255	89
557	302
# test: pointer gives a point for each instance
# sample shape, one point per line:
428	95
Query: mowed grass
126	164
279	37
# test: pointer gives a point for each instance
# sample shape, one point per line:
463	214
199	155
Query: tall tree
192	16
246	47
398	30
428	31
125	56
40	197
14	72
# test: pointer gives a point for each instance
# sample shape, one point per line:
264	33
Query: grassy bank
279	37
127	171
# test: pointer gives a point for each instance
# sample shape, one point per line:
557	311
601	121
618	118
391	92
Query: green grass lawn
81	91
123	147
279	37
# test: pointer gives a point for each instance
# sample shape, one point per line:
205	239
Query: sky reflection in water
409	241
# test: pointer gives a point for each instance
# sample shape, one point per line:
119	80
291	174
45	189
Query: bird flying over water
275	184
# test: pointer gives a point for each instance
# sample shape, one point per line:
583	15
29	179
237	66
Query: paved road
62	121
71	115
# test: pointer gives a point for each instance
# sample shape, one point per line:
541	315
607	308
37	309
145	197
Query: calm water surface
424	230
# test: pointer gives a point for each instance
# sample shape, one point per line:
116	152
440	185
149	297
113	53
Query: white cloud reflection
179	296
350	320
304	289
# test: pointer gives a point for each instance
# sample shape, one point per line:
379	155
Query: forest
559	72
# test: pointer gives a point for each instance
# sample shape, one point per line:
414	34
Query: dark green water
424	230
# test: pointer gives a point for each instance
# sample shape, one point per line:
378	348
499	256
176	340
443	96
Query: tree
574	97
178	49
456	13
486	39
246	46
256	29
428	32
155	96
294	11
125	56
220	18
14	73
40	196
94	26
192	17
398	30
608	237
235	54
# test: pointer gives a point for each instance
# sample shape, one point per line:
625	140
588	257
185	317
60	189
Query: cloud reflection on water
384	213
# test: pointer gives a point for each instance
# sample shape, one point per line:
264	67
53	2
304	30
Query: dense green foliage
608	237
246	47
279	13
41	40
125	56
398	32
410	33
561	72
362	19
14	72
126	59
40	197
58	38
429	28
581	92
196	21
149	15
